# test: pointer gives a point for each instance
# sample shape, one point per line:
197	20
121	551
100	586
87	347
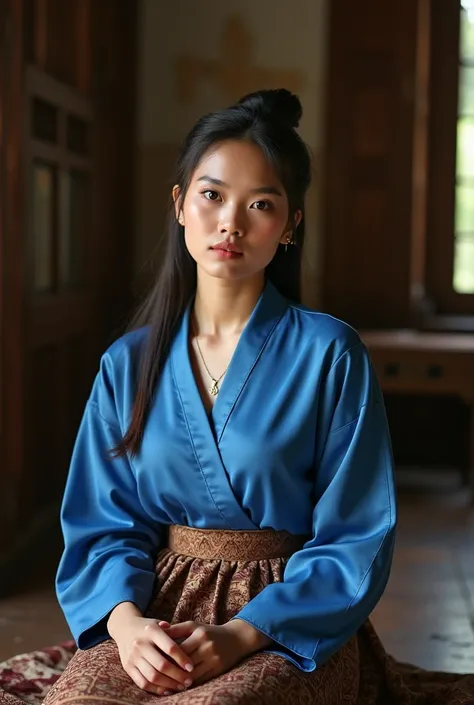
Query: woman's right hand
151	658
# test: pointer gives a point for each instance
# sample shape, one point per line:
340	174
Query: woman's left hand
216	649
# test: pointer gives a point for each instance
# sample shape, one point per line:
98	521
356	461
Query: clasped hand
216	649
188	653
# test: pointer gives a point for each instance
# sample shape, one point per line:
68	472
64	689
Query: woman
229	515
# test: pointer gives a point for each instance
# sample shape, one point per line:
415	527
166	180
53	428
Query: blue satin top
297	440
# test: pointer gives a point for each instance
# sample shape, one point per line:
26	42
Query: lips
226	247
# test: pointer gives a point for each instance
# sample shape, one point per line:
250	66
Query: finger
139	679
163	625
163	665
203	672
192	643
170	648
157	678
182	630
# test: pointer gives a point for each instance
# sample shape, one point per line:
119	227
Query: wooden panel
43	203
44	412
425	373
57	39
113	194
73	313
82	360
428	431
30	21
60	379
51	341
39	83
79	364
424	363
61	41
417	364
369	200
11	265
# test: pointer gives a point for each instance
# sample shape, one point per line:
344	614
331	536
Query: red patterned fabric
27	678
212	590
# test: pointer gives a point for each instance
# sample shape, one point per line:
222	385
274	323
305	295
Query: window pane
465	148
72	234
463	280
45	120
78	137
466	91
467	31
43	224
463	269
464	222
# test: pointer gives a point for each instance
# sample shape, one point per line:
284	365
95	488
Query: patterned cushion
26	678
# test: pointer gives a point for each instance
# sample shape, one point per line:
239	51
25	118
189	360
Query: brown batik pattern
214	589
233	545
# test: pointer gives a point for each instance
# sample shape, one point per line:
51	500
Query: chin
228	271
229	274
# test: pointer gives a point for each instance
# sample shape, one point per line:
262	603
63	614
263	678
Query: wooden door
67	143
375	163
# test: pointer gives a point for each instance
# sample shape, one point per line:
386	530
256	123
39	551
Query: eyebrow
261	189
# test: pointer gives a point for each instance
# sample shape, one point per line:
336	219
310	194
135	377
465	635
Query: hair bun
275	104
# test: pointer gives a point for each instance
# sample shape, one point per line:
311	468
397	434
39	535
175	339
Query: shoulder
113	390
332	336
338	350
126	349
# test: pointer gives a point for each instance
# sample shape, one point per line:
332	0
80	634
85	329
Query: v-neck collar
265	317
268	311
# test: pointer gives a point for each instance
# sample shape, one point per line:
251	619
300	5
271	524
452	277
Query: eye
261	205
210	194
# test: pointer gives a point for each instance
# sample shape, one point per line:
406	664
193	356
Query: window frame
450	308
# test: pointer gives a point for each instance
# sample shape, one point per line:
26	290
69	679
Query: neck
223	307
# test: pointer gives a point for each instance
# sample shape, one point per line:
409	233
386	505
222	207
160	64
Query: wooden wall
67	152
374	176
388	200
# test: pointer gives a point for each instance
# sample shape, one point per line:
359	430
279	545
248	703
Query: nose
231	223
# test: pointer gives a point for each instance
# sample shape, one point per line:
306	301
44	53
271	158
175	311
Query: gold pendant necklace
214	389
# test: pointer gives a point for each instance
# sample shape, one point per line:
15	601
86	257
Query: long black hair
267	118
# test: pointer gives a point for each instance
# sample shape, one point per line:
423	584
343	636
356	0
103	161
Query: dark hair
267	118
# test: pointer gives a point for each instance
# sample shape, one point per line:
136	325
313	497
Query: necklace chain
214	390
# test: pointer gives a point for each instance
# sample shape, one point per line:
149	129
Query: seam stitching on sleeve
356	345
113	427
331	433
349	423
382	542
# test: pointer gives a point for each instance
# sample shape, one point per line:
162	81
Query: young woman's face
235	212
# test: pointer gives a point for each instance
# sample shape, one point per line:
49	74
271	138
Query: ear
176	193
287	236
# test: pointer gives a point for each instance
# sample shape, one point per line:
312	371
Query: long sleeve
334	582
110	544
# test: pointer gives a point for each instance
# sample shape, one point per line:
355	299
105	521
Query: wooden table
414	362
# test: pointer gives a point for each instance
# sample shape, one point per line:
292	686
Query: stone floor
426	615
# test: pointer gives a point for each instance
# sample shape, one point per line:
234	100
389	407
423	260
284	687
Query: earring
289	241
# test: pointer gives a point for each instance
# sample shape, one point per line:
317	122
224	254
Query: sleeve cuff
294	654
93	635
